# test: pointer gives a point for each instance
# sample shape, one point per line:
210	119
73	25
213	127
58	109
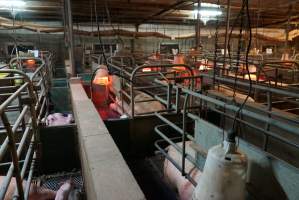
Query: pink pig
64	191
58	119
174	177
35	193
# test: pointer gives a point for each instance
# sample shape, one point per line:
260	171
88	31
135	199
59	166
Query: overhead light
12	3
13	6
208	11
208	5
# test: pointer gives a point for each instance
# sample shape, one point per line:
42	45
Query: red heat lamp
179	68
146	70
31	62
104	80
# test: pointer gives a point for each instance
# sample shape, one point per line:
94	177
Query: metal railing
24	98
41	79
264	120
24	102
134	79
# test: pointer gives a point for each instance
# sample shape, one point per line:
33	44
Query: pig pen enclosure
134	132
143	130
195	114
32	154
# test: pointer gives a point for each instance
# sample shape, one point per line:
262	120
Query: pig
139	108
35	192
229	92
144	107
115	85
58	119
64	191
116	106
173	176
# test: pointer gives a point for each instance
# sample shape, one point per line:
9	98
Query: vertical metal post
132	45
184	136
169	95
132	98
287	37
287	30
177	99
226	35
69	27
133	40
267	126
197	26
14	155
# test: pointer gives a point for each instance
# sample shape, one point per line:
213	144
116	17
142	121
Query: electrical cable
230	34
232	133
215	50
110	22
247	65
98	29
101	45
239	49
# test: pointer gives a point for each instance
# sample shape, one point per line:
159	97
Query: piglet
58	119
35	192
173	176
140	107
64	191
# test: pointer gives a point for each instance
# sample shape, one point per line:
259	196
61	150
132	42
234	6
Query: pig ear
71	181
70	118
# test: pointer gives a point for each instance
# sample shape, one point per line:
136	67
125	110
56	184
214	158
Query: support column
69	27
197	26
133	40
288	28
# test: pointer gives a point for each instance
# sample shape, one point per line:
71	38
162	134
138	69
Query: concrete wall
106	174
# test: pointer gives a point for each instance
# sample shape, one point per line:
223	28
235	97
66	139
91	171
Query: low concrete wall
106	174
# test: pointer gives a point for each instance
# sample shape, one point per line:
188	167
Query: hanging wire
239	49
231	32
247	65
110	23
102	48
215	50
99	35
